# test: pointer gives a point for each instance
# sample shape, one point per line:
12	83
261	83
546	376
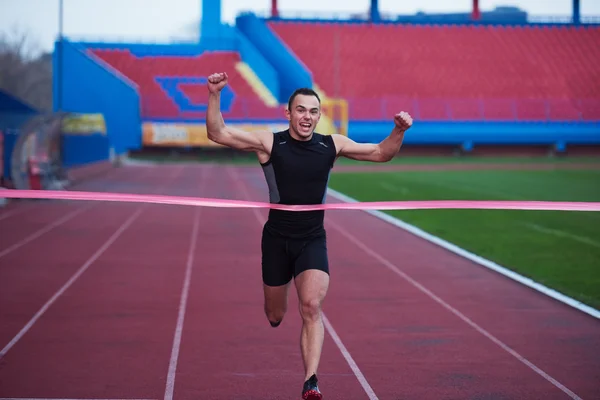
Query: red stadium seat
453	72
157	104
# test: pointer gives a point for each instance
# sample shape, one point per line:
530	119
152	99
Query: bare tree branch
25	72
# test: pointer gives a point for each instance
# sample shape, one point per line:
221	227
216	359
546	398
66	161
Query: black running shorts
285	258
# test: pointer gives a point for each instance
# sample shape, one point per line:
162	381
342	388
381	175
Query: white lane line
357	372
453	310
46	229
170	386
73	278
474	258
80	271
12	212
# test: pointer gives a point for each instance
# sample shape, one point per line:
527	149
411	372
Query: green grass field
229	157
558	249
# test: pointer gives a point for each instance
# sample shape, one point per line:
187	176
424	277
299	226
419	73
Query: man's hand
218	132
403	121
216	82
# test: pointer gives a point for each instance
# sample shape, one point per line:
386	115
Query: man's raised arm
380	152
220	133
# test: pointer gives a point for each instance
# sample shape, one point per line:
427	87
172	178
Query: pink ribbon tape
374	205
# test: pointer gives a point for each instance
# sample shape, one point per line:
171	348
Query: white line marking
170	386
460	315
82	269
11	212
43	230
336	339
391	188
558	232
182	308
475	258
357	372
75	276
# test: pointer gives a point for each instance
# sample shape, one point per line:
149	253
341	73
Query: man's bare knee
310	309
312	288
275	314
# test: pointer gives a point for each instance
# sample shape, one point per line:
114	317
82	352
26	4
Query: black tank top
297	173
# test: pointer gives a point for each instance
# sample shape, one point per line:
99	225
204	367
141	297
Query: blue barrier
79	150
255	60
9	138
470	134
90	86
292	73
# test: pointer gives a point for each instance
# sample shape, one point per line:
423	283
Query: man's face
304	115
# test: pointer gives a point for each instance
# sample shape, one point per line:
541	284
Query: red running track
129	301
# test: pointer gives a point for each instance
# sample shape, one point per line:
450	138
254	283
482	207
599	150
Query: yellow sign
81	124
193	135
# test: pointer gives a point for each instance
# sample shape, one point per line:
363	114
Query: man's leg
311	273
276	301
277	275
312	286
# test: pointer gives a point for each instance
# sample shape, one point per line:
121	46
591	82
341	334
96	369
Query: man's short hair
303	91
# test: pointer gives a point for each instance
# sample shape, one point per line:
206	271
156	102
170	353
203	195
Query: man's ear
288	115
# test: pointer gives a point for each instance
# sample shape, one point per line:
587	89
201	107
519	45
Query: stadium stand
436	72
498	81
455	72
172	87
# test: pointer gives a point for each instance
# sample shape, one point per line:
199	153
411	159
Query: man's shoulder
327	138
280	136
280	133
323	136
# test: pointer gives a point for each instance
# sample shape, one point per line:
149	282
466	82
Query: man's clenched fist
403	120
217	81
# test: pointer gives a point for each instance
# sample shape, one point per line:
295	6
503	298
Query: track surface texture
144	301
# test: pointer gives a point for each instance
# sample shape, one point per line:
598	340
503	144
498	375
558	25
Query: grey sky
164	20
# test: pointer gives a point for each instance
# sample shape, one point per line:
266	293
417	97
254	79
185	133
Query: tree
25	72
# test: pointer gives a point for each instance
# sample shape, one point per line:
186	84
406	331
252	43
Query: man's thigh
312	256
277	266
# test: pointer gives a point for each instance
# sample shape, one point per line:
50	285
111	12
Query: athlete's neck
299	138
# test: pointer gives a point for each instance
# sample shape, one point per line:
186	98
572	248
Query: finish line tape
373	205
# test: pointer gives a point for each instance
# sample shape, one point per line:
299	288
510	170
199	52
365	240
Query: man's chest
306	164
